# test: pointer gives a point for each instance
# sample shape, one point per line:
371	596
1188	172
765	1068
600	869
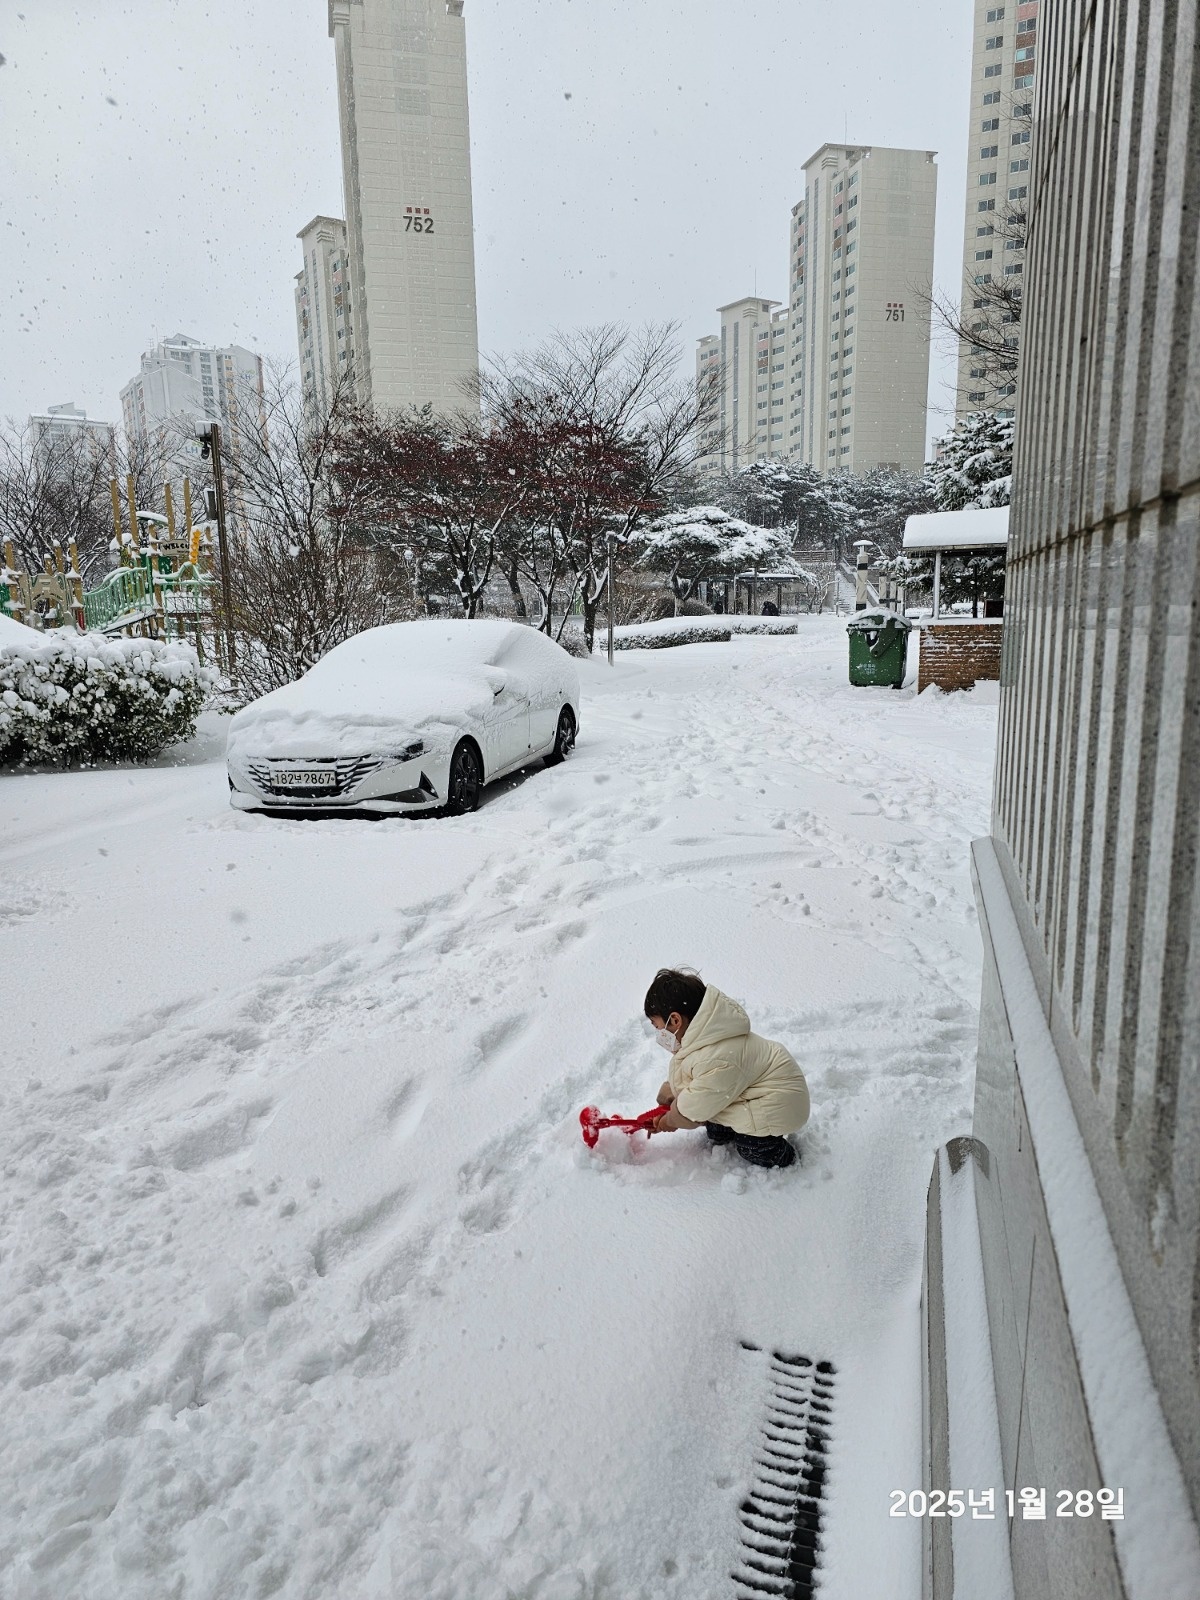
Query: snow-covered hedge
84	697
691	630
665	635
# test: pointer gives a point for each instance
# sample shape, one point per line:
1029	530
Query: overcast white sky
630	161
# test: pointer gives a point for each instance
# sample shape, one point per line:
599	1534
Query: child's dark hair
674	991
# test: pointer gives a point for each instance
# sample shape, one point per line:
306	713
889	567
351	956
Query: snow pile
692	630
84	697
13	632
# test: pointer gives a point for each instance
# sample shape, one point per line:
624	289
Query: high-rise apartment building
858	351
739	373
998	155
324	322
838	379
406	166
60	429
183	382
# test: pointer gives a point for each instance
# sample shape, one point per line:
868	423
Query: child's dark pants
770	1150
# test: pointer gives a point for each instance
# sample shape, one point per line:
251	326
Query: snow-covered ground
308	1285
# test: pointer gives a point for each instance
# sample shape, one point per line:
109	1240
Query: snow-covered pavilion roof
957	530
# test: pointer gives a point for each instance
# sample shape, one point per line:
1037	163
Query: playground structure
162	587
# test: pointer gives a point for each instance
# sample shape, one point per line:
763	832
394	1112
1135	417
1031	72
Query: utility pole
210	436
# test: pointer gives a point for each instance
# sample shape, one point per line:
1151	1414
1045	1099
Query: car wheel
564	739
466	780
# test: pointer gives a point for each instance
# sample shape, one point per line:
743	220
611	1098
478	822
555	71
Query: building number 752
418	224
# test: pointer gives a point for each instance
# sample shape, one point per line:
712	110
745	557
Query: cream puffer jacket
724	1073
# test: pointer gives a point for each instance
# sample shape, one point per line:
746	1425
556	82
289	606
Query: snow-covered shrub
772	625
575	644
85	697
664	635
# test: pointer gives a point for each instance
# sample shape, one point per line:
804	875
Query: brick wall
955	655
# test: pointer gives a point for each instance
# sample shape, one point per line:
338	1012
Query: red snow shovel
591	1123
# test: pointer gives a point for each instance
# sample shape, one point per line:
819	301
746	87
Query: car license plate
304	778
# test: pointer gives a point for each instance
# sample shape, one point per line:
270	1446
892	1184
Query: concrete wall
1097	798
1088	1086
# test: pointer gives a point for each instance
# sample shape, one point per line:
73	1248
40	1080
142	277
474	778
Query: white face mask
667	1039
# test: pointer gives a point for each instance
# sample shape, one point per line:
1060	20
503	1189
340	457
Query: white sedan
412	717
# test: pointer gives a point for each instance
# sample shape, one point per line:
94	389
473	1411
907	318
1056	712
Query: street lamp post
611	608
210	437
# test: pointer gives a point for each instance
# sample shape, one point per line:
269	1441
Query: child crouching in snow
741	1089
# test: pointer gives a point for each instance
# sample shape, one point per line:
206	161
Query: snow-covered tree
699	543
974	465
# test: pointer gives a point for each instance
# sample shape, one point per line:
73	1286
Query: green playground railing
127	592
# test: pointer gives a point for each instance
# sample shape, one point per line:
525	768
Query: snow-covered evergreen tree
974	468
698	543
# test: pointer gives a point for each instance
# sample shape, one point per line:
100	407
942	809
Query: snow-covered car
410	717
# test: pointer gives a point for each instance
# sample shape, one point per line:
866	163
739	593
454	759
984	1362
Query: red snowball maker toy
591	1123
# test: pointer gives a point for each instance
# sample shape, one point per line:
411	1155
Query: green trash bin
878	648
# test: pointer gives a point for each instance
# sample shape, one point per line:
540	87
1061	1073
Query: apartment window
975	395
992	71
1013	268
1024	55
1025	81
978	305
989	125
986	178
845	431
983	255
833	415
852	180
845	411
846	393
982	233
1020	138
995	15
853	201
762	405
845	450
992	97
1015	244
996	42
988	152
762	388
849	273
832	434
777	386
1023	111
850	249
849	350
1019	166
1018	194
